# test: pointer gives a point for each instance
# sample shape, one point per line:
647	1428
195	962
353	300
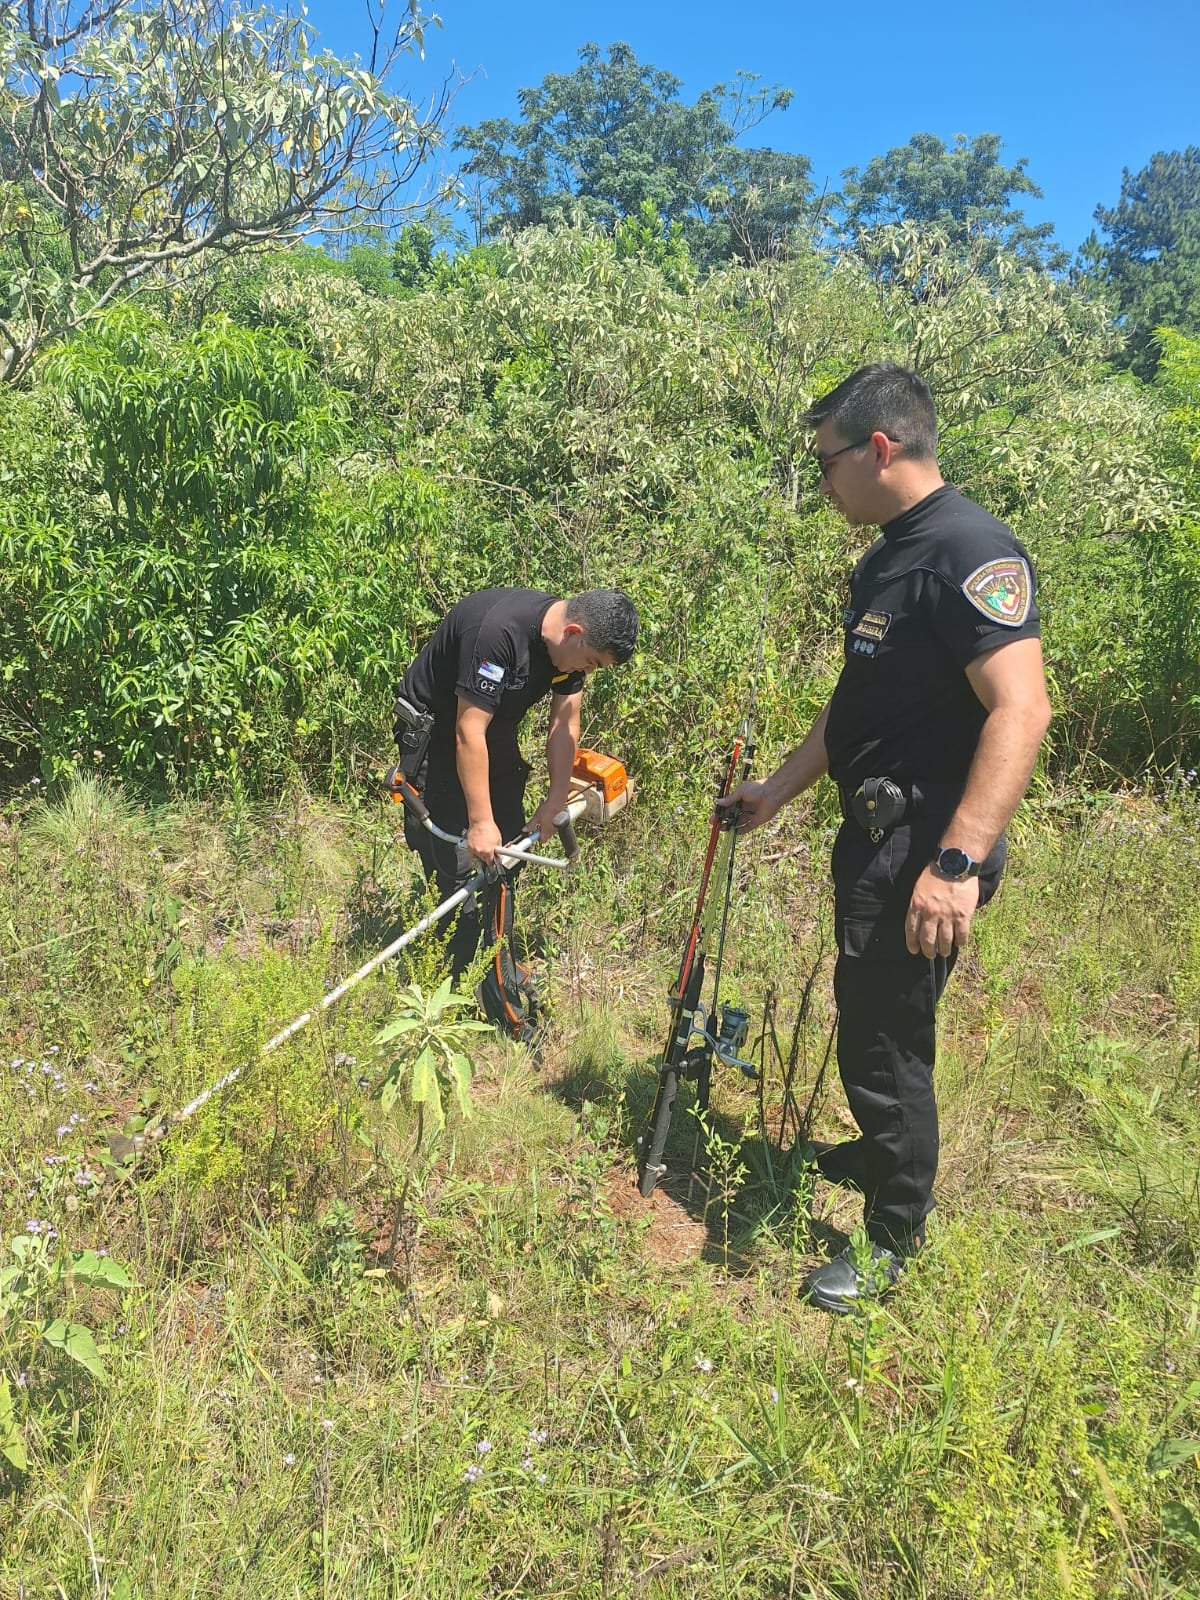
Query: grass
556	1388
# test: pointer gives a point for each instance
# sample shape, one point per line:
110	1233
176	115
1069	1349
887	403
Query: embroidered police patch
873	624
1002	590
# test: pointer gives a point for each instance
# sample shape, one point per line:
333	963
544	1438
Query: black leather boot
839	1285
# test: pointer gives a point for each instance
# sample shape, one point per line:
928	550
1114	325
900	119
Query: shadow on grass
773	1198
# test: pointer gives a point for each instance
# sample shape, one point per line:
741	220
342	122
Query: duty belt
878	804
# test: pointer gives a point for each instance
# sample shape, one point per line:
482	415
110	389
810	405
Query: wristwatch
955	864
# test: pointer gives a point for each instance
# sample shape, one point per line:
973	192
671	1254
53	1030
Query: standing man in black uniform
931	734
493	656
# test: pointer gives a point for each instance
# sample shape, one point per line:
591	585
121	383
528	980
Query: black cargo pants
887	1003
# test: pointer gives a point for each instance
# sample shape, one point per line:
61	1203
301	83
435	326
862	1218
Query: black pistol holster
412	730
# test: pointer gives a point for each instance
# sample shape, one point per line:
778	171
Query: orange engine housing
602	772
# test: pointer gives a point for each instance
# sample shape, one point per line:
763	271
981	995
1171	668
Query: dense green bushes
221	538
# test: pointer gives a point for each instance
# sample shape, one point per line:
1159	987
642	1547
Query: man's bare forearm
998	778
807	762
471	760
562	746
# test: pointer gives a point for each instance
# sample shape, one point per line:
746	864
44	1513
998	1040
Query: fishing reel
725	1041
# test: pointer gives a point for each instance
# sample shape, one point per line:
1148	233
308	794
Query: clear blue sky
1082	90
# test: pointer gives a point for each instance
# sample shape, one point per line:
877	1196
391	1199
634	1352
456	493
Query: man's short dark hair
883	398
609	620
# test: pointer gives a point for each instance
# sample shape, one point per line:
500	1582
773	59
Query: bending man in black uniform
493	656
931	734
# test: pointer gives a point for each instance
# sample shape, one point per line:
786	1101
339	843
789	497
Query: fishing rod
700	1033
720	1030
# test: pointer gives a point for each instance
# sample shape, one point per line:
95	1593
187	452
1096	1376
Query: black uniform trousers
448	866
886	1041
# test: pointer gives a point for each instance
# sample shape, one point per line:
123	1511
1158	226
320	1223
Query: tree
1151	257
964	190
141	138
600	143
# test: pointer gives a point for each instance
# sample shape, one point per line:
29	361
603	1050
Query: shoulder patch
1002	590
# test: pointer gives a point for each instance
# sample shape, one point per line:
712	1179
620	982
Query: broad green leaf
90	1267
441	997
426	1088
12	1444
460	1076
1181	1524
1086	1239
1168	1453
76	1341
394	1029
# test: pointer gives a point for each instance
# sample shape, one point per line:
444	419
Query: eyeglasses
823	463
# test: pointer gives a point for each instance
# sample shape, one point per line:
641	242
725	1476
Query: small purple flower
62	1130
483	1448
526	1463
774	1396
702	1364
538	1435
471	1474
22	1380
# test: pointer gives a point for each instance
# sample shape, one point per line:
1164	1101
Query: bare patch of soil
672	1235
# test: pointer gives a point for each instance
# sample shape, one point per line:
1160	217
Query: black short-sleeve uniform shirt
943	584
487	650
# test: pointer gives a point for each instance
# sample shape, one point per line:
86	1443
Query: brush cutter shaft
519	850
564	822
